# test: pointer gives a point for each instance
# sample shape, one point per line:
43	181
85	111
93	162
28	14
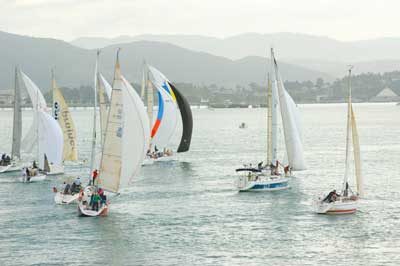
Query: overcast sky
68	19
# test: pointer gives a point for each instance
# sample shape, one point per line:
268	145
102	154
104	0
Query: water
187	212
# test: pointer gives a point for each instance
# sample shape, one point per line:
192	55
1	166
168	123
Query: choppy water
187	212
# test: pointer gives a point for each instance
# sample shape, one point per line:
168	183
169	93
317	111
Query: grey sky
68	19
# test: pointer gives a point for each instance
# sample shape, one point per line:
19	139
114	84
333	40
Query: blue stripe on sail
273	185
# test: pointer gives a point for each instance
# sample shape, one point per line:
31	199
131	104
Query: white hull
61	198
342	206
262	183
83	211
36	178
14	166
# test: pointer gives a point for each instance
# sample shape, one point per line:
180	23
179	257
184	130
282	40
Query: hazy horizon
71	19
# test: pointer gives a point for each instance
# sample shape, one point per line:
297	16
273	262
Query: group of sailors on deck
28	172
274	168
158	154
71	189
96	201
333	196
5	160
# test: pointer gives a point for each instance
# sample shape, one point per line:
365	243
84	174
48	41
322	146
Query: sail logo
56	110
69	129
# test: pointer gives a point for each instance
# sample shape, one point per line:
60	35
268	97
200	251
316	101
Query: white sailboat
12	163
269	177
45	134
347	201
126	140
171	105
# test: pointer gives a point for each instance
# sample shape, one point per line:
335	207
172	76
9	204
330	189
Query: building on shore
386	95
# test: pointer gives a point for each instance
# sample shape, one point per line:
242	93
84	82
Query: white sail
102	88
50	140
136	133
94	129
356	150
166	121
290	122
107	86
141	113
126	138
274	114
111	159
38	103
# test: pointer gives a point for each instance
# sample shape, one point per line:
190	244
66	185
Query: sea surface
187	211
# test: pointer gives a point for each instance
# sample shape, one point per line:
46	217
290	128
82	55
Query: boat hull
36	178
83	211
336	207
262	183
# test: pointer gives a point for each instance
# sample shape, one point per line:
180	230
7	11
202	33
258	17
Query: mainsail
111	159
17	120
126	136
187	119
291	125
103	88
62	114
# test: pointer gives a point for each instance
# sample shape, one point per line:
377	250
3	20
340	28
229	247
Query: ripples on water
186	212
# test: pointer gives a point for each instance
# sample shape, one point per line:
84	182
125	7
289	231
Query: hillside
314	52
74	66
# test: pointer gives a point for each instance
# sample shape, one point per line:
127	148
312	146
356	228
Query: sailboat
101	87
170	100
10	164
269	176
45	134
126	140
347	201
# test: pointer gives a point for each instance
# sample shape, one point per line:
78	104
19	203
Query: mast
93	151
269	123
274	111
348	133
17	120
